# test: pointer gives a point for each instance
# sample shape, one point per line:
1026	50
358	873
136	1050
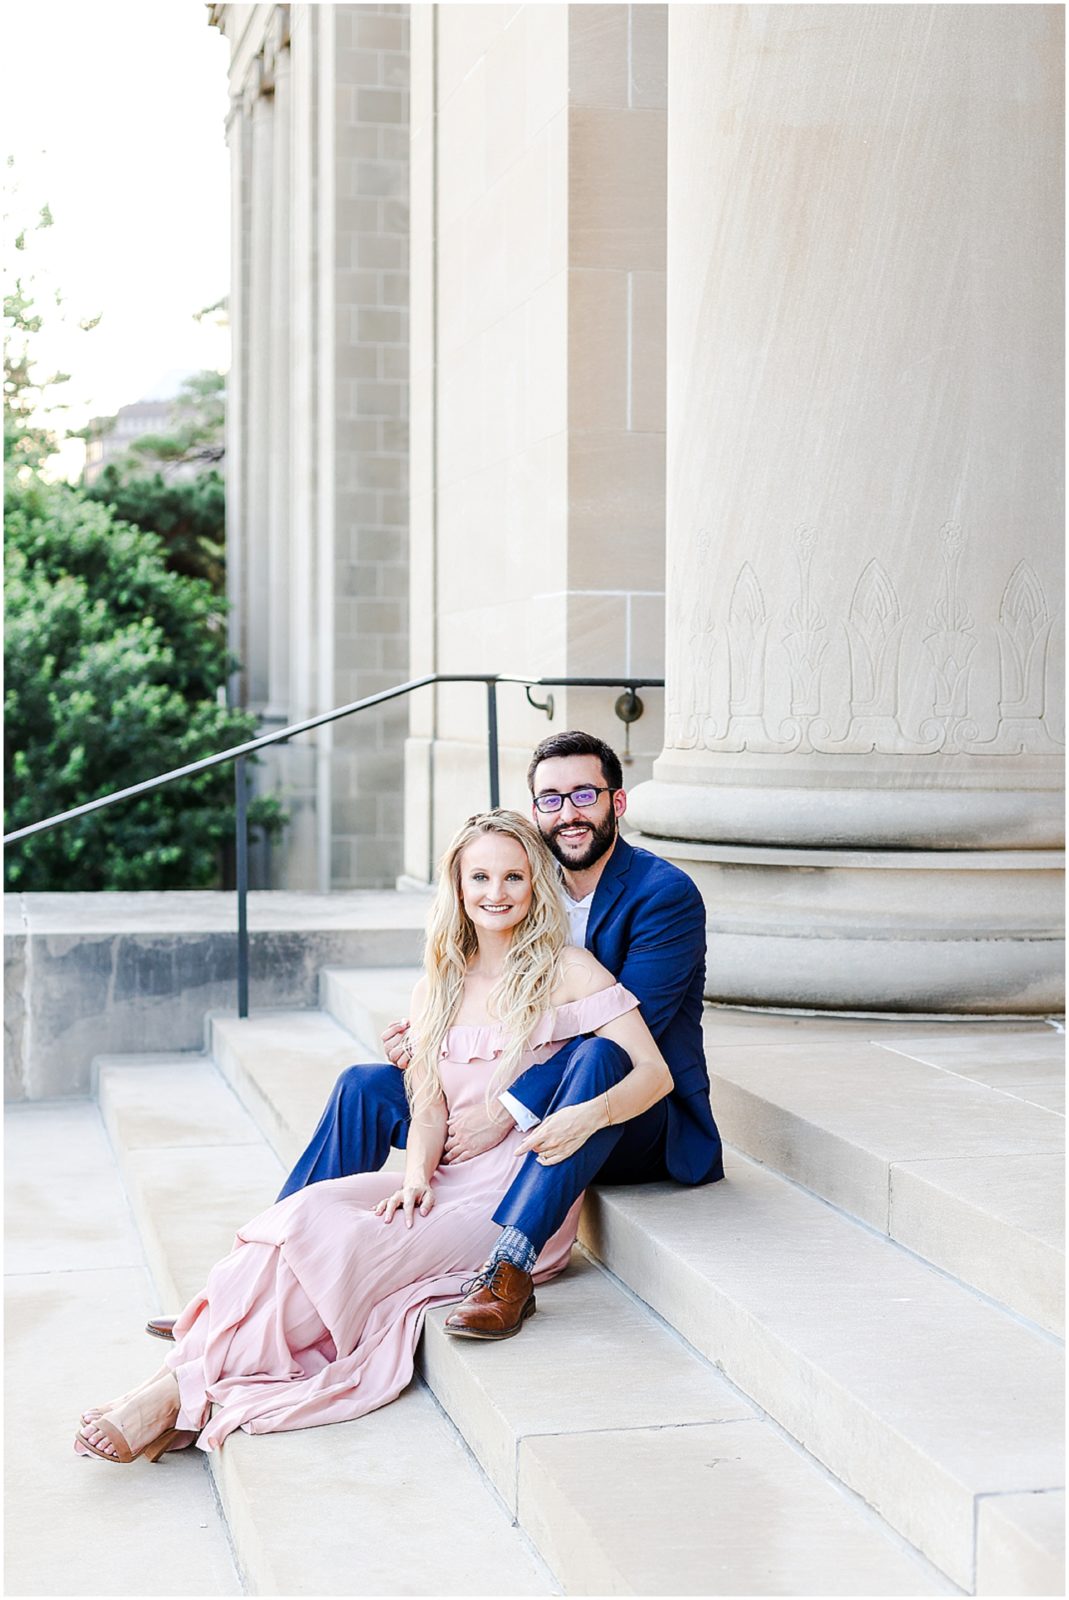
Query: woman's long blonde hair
523	991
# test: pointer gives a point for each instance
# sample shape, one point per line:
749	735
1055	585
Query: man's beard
599	841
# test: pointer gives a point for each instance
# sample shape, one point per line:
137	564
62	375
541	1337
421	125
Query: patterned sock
515	1247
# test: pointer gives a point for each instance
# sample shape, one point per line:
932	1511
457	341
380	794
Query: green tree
189	514
114	672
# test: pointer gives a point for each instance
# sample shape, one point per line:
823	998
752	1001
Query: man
645	921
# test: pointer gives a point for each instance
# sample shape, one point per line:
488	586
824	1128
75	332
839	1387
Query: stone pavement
77	1293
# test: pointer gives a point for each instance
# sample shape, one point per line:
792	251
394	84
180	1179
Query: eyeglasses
582	799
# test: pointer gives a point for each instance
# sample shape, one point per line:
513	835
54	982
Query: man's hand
407	1199
469	1133
562	1133
395	1041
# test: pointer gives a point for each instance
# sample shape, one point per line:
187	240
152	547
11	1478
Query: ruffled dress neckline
474	1042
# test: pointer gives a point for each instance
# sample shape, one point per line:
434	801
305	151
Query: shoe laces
484	1279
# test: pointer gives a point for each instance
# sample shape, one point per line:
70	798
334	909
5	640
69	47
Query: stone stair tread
995	1057
997	1222
956	1168
1021	1544
502	1398
367	1000
390	1504
913	1390
596	1360
282	1066
737	1024
199	1107
715	1509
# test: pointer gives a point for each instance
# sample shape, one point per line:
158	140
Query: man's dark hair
578	744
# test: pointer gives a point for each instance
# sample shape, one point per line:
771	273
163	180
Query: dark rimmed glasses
582	799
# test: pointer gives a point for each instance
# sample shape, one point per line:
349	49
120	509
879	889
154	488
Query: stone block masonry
318	458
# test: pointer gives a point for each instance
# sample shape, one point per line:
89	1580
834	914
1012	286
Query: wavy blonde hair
522	994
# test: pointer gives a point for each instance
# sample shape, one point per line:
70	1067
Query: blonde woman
315	1315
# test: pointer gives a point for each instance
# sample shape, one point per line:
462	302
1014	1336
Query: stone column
258	437
302	330
238	141
278	524
537	461
863	742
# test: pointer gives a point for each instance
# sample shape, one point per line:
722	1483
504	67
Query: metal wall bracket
546	706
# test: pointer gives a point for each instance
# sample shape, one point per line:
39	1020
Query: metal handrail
237	753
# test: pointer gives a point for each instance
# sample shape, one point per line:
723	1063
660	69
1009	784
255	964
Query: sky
114	113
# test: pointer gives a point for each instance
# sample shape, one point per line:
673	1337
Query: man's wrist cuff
524	1119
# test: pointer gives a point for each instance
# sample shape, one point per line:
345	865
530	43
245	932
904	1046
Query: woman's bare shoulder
579	975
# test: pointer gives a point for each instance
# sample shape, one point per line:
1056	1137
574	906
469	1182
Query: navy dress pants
366	1114
539	1197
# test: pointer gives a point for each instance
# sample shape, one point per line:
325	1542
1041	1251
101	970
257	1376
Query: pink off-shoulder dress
315	1314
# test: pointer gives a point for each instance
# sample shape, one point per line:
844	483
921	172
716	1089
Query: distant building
111	437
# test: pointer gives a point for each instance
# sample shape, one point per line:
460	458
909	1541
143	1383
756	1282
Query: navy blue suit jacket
647	925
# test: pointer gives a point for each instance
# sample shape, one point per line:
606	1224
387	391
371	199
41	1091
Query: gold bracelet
608	1113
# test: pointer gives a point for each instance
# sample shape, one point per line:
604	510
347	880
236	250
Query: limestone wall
318	440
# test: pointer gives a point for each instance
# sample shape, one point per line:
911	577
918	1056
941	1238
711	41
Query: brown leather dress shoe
161	1327
498	1303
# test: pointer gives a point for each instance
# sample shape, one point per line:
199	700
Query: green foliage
113	667
188	514
27	441
30	401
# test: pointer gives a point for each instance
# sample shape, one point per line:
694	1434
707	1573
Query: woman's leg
143	1416
252	1326
121	1399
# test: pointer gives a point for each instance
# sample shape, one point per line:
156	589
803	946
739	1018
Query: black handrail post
491	739
241	854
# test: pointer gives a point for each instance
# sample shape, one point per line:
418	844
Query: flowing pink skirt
315	1315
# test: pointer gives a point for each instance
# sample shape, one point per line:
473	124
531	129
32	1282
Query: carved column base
691	800
934	932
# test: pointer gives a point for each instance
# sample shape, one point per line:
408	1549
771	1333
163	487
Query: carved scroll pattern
806	682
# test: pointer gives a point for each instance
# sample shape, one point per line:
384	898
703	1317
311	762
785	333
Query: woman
315	1314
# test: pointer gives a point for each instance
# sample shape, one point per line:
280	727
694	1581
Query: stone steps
949	1143
282	1066
529	1409
76	1293
917	1393
367	1002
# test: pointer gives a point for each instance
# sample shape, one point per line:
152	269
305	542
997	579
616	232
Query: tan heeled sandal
152	1450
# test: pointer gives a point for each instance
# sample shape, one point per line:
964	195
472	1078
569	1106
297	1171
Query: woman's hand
407	1199
563	1132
